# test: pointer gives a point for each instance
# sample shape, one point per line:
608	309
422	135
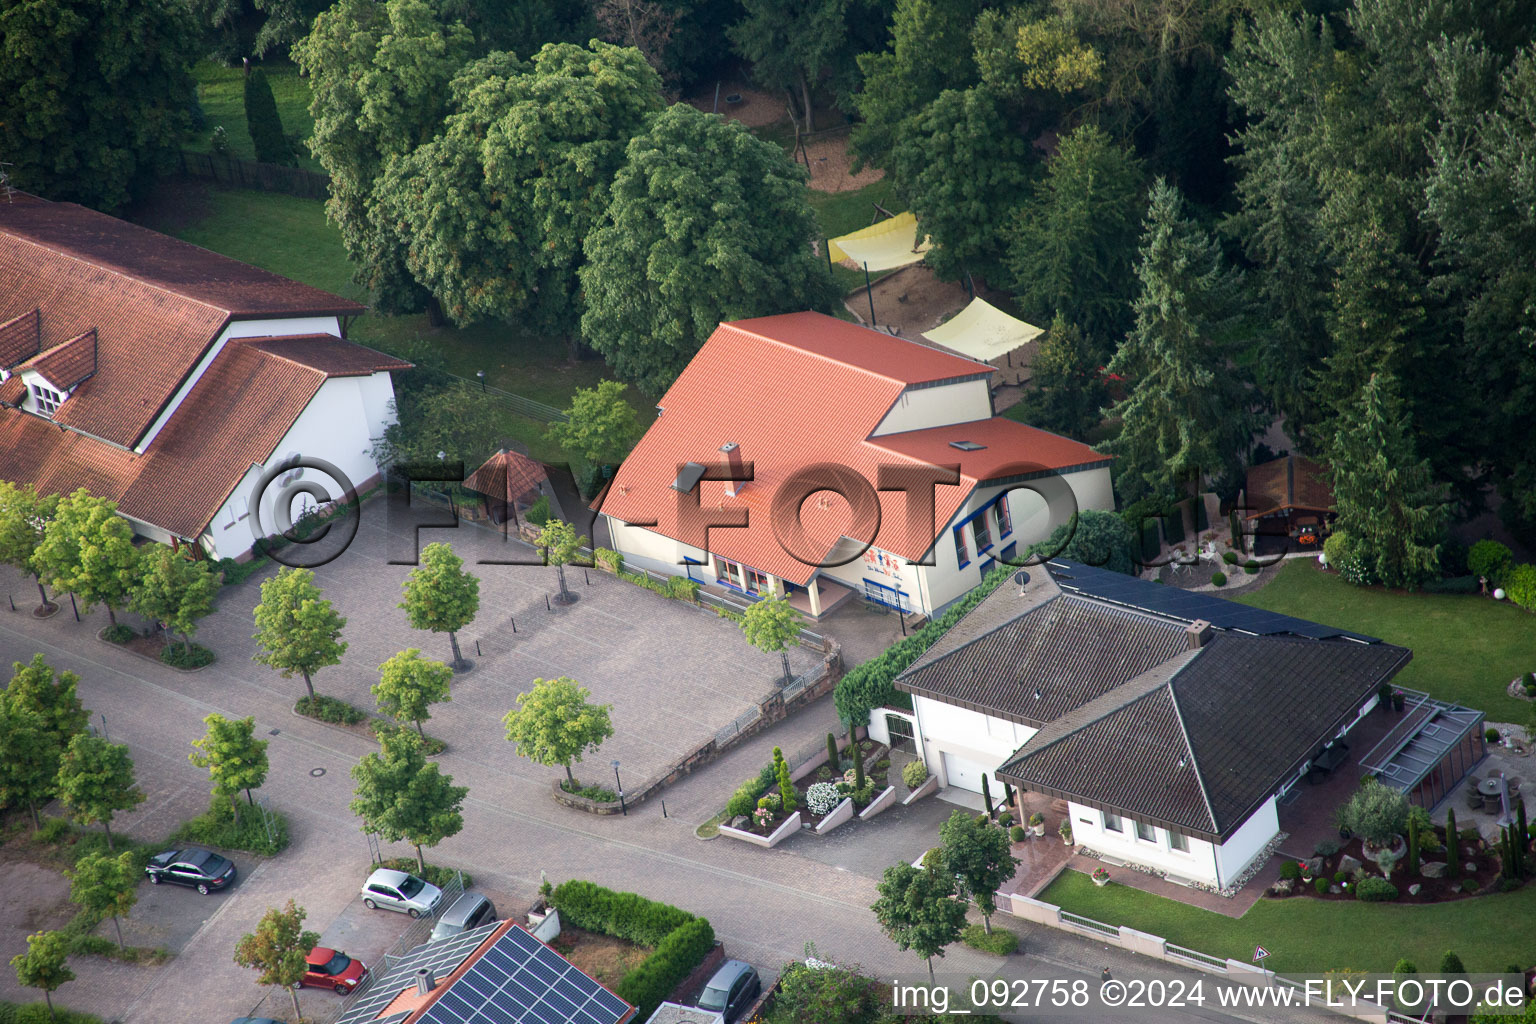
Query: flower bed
1348	867
823	791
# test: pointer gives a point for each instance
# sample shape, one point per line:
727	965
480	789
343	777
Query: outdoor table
1330	758
1489	787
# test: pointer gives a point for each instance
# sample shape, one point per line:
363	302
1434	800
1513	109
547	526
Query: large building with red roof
849	433
169	378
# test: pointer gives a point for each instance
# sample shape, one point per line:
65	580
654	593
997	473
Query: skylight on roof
967	446
688	478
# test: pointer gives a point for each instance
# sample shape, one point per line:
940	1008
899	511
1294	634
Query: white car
396	890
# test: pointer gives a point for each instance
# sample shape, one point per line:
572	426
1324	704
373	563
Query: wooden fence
237	173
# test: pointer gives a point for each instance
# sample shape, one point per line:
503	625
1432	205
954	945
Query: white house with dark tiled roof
171	379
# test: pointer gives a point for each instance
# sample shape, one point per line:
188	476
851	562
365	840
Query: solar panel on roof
520	980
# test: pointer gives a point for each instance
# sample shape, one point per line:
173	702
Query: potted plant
1065	831
1305	869
1398	700
1037	823
1100	877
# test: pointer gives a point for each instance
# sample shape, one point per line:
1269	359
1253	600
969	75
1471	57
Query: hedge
869	686
38	1013
679	940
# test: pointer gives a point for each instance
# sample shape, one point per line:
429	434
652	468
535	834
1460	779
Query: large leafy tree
434	417
600	425
554	724
706	223
379	77
29	759
790	42
497	206
36	689
87	550
100	884
175	590
1067	390
400	796
24	515
1188	414
1093	537
772	626
1389	506
94	95
95	781
963	169
918	911
441	596
979	853
236	760
1072	245
45	964
277	949
297	630
409	685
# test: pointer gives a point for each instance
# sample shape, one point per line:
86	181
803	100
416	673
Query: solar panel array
443	957
1189	605
519	980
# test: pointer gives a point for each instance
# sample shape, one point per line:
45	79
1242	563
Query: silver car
396	890
468	912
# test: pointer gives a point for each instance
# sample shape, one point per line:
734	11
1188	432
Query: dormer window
47	399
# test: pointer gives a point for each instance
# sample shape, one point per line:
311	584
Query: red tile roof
68	364
329	354
20	339
803	389
156	303
506	477
236	414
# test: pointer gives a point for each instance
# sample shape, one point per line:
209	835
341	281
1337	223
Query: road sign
1259	953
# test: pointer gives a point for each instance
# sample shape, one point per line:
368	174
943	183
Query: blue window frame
981	533
961	555
1004	518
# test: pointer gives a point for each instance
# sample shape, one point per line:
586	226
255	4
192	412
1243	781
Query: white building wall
1235	854
648	549
969	735
1199	864
920	408
338	425
239	329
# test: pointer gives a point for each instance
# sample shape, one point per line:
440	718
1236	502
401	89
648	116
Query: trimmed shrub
1252	568
1290	871
538	514
1520	586
1016	833
1404	966
1325	848
328	709
1491	559
1230	557
1321	885
1492	735
624	915
1375	890
1469	885
179	655
264	122
914	774
822	797
745	798
1450	963
1219	579
1000	943
606	558
676	956
1336	548
118	634
1375	812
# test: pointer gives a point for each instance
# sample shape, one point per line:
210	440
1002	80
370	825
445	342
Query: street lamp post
616	782
481	375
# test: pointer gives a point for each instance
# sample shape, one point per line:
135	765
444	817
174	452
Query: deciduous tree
706	223
175	590
1388	503
978	851
789	43
1093	537
554	724
96	781
45	964
297	630
440	596
496	206
409	685
38	688
87	550
771	625
236	760
100	884
24	515
600	425
559	542
1188	414
29	759
277	949
400	796
95	95
918	911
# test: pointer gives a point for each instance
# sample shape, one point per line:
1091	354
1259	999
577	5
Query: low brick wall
926	789
581	803
841	813
887	798
686	988
790	827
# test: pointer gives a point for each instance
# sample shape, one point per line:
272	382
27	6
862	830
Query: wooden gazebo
1290	496
505	482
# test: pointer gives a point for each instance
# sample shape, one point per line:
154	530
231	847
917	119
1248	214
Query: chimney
732	451
1198	633
425	980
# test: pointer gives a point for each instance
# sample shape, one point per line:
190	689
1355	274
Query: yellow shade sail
887	245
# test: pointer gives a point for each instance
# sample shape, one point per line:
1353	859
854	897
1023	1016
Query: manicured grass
1466	648
842	212
221	91
1304	935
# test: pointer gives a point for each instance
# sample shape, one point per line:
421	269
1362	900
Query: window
731	573
757	582
47	399
1178	842
1112	823
982	534
1004	520
1146	832
960	553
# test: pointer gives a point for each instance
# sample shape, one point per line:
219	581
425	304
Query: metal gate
900	730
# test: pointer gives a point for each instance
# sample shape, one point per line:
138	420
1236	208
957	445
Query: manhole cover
317	772
273	732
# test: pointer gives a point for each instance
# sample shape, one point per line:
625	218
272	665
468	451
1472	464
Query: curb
164	664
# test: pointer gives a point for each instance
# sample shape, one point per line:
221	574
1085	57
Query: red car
331	968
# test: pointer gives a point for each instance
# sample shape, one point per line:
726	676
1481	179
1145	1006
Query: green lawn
1466	648
1305	935
221	91
842	212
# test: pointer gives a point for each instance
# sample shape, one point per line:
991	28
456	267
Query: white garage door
963	774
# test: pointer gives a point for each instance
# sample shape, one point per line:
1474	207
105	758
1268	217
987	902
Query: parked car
255	1020
201	869
396	890
331	968
468	912
731	990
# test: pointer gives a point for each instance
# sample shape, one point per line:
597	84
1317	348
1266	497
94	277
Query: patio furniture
1474	800
1489	787
1514	787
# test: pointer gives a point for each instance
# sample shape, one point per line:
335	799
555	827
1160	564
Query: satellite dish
1021	578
